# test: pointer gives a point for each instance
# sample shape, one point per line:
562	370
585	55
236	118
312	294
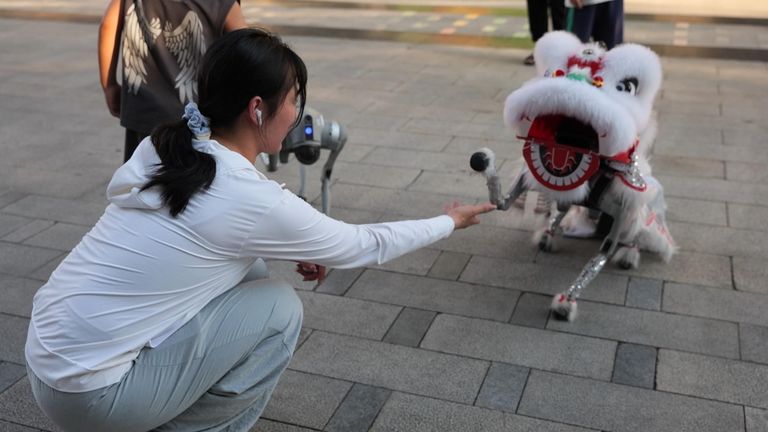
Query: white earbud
258	115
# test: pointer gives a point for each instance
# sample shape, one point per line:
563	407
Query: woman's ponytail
183	171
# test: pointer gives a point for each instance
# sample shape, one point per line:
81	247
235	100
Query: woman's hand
578	4
466	215
311	271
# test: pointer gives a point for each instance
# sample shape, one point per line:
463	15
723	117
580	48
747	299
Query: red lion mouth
561	152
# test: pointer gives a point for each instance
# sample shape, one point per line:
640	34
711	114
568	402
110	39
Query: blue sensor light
308	130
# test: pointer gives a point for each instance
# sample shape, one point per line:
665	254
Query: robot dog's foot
563	308
545	240
627	257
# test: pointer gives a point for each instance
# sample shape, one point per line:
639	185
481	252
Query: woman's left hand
311	271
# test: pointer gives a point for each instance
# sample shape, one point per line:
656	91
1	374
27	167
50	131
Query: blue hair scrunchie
196	121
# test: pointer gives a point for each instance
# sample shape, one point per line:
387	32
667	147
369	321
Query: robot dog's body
311	134
587	126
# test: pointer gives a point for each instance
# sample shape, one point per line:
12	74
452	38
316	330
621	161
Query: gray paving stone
9	197
757	419
752	340
17	405
417	262
503	387
685	267
28	230
16	294
9	374
374	175
355	153
750	274
635	365
709	136
58	209
11	223
523	346
460	128
405	412
720	240
715	303
688	167
13	333
350	215
339	281
378	107
44	273
614	407
466	146
13	427
19	259
653	328
491	241
737	137
410	327
346	315
389	201
303	335
435	295
713	378
305	399
746	172
532	310
423	160
748	217
359	409
264	425
644	293
62	236
715	189
402	139
696	211
541	279
390	366
683	107
464	183
449	265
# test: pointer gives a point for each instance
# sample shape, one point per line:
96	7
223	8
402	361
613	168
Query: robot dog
311	134
587	127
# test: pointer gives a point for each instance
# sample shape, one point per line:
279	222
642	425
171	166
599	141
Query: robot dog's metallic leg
564	305
545	237
483	161
338	136
302	181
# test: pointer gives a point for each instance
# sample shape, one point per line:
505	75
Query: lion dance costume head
587	125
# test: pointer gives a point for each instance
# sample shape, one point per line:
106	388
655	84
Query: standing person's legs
583	22
537	21
216	373
132	140
557	10
609	23
537	18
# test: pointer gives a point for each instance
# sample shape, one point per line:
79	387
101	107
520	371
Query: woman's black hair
240	65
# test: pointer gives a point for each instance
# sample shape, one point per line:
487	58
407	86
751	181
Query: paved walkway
455	337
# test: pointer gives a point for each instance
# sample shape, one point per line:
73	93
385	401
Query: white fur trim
616	130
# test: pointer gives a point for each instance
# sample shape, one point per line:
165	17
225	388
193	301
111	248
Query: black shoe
529	60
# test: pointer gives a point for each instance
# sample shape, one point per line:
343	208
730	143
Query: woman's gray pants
216	373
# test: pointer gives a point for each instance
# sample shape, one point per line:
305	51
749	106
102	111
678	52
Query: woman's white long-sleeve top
140	274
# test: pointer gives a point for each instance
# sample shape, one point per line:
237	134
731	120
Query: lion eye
628	85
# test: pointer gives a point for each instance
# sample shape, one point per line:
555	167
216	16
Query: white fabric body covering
140	274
